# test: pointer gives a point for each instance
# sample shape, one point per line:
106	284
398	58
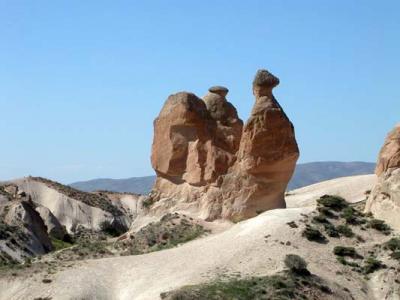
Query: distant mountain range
305	174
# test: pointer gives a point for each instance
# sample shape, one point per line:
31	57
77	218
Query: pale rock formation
384	199
70	207
206	162
24	233
54	227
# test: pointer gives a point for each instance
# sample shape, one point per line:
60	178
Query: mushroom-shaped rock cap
266	79
220	90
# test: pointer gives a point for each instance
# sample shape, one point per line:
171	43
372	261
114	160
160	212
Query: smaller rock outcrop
54	227
384	199
22	231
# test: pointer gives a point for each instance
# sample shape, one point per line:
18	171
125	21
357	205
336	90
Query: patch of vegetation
90	199
371	265
171	230
320	219
111	229
283	286
296	264
393	244
59	244
346	251
292	224
352	216
345	231
84	245
345	262
335	203
395	255
379	225
326	212
314	235
331	230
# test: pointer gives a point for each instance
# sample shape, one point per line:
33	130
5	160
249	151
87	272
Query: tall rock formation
384	199
207	163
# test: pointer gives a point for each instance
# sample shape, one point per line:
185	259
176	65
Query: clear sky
82	81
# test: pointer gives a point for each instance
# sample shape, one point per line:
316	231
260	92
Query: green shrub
395	255
345	231
333	202
58	244
331	230
320	219
313	234
379	225
296	264
325	211
393	244
352	216
371	265
346	251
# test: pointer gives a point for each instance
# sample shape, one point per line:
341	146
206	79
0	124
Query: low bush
379	225
345	231
333	202
331	230
393	244
296	264
371	265
314	235
395	255
346	251
320	219
325	211
59	244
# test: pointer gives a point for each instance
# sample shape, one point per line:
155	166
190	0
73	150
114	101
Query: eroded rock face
384	199
207	161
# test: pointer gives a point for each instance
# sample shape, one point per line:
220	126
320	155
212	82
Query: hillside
305	174
254	249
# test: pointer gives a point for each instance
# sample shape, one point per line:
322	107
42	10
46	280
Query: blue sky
82	81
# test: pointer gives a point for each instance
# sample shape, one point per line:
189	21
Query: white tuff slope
252	247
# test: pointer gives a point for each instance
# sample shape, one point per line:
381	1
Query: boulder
384	199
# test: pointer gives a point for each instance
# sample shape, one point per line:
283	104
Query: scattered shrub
331	230
346	251
345	231
395	255
379	225
320	219
296	264
352	216
58	244
371	265
333	202
393	244
325	211
313	234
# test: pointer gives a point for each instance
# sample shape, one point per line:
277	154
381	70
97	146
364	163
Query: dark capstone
217	89
265	78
